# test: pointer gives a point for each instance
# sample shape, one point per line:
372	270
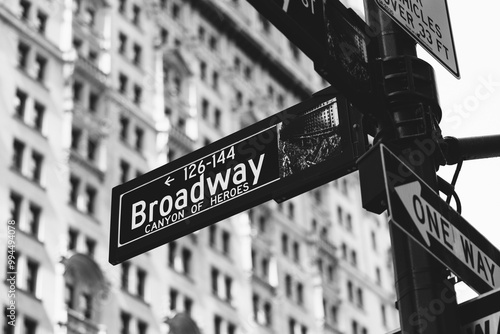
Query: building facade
94	93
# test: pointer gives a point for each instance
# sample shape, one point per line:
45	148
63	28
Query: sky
471	107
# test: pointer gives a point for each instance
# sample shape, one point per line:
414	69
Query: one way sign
421	213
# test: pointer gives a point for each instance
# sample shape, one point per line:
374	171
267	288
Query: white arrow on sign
430	223
168	180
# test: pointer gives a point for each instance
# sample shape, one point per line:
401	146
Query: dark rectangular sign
282	156
480	315
334	37
422	214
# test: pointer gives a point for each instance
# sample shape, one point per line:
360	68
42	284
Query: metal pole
426	298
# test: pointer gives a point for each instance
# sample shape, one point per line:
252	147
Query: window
93	56
330	273
90	243
137	94
92	145
186	261
86	305
142	327
255	304
136	14
136	57
41	22
141	282
124	122
31	276
296	251
30	326
122	43
228	283
350	291
20	103
217	324
36	171
203	71
291	210
124	278
77	91
300	294
139	137
349	222
291	326
124	170
214	275
17	155
360	298
122	83
40	65
72	239
171	254
76	134
188	305
173	299
212	236
384	315
215	80
22	55
175	11
354	326
226	242
374	240
217	119
164	36
213	43
378	275
15	206
284	243
204	108
38	116
122	5
125	323
25	9
288	285
231	329
262	224
265	268
34	219
93	101
69	296
268	314
91	194
354	258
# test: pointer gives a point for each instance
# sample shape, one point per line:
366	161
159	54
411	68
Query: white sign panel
428	22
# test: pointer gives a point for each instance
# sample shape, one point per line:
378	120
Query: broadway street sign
334	37
422	214
428	22
282	156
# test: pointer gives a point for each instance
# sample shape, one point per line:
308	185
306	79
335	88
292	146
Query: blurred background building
94	93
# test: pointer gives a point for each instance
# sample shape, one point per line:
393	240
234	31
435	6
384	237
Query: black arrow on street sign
423	215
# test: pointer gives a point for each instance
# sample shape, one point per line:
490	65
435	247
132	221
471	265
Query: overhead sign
428	22
422	214
282	156
480	315
335	39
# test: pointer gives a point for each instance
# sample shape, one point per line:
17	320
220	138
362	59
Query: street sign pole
407	86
